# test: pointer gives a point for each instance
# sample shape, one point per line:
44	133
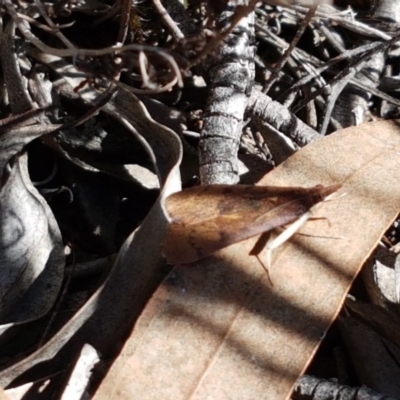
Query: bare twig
311	388
52	25
125	11
168	21
231	75
288	51
24	28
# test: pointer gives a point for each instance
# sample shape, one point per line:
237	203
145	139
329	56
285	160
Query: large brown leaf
218	329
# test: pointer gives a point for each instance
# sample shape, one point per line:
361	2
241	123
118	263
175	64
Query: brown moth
208	218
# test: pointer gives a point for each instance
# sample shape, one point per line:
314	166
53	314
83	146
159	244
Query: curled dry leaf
31	249
379	276
80	376
108	315
218	329
32	253
130	112
14	141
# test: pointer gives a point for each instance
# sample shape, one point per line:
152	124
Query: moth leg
266	269
258	248
285	235
269	246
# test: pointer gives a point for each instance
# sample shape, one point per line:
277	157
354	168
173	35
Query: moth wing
188	243
192	238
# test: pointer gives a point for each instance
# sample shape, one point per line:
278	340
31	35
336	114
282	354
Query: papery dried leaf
12	142
218	329
31	249
108	315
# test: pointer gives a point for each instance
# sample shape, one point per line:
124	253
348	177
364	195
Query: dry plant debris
109	108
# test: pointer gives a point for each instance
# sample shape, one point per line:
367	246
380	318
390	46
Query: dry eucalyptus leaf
123	107
143	176
81	374
14	141
218	329
31	249
379	276
107	317
93	194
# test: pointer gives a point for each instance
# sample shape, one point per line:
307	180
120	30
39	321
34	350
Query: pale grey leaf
109	313
14	141
31	249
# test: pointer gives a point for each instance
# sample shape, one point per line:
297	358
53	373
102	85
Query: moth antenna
322	237
334	196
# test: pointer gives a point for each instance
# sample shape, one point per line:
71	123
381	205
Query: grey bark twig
288	51
311	388
367	73
231	74
263	111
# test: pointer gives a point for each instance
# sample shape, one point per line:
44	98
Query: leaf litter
218	328
228	321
